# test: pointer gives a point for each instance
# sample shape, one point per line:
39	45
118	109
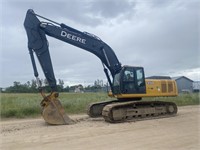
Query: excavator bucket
53	111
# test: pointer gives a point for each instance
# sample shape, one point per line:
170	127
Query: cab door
140	80
132	80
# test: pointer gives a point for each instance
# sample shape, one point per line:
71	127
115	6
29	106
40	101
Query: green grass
77	102
28	105
181	99
19	105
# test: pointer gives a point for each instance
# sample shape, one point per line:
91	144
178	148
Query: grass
19	105
181	99
28	105
77	102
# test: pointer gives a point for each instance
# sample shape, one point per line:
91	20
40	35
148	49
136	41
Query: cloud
110	9
89	12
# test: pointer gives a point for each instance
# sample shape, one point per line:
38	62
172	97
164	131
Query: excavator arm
37	42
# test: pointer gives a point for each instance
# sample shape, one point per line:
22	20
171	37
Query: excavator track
134	111
95	109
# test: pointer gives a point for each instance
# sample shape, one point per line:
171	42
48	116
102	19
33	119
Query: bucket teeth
53	111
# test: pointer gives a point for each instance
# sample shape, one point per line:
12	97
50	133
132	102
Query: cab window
128	75
116	80
140	77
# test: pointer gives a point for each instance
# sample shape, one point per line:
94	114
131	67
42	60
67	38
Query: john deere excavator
128	84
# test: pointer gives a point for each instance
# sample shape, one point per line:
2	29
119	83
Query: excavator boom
37	42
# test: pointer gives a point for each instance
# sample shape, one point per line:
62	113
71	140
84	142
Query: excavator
127	83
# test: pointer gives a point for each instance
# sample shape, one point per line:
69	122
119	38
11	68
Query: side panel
161	87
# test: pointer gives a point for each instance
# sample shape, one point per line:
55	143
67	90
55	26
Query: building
184	84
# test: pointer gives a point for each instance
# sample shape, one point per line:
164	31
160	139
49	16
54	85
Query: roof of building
159	77
179	77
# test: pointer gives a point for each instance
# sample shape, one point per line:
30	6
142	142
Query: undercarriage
115	111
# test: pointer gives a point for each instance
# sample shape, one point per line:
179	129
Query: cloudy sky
161	36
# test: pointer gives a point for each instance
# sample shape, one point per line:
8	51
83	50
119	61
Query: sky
161	36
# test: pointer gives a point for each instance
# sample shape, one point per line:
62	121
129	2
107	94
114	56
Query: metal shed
184	84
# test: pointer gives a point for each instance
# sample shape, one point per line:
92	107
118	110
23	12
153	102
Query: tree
60	85
98	83
33	87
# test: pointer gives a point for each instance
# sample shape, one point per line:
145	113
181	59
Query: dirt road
181	132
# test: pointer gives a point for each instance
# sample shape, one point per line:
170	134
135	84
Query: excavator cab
130	80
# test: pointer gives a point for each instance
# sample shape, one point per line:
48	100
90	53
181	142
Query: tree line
32	87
